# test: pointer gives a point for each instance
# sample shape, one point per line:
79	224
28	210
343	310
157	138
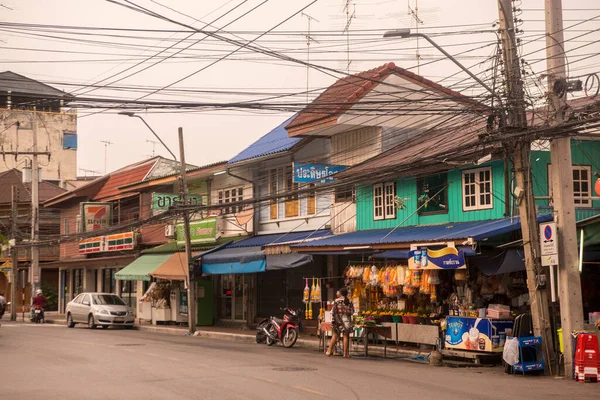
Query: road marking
310	391
260	378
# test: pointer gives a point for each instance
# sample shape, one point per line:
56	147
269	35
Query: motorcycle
3	309
37	315
273	329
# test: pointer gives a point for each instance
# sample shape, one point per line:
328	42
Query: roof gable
19	84
347	91
276	141
15	177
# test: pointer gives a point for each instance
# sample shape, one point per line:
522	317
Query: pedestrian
341	314
2	305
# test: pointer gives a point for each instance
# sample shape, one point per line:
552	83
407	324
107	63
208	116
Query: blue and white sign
548	244
307	173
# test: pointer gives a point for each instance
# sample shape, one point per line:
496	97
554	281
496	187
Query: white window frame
383	201
477	193
581	201
226	196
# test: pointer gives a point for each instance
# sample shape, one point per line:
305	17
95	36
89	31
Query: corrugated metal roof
478	230
19	84
275	238
273	142
122	177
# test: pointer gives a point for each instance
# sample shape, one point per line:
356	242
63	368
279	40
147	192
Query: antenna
91	171
308	40
349	18
415	15
154	143
106	144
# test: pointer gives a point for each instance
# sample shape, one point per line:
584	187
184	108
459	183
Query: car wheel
91	323
104	326
70	323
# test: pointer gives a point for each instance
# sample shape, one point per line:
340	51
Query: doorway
233	293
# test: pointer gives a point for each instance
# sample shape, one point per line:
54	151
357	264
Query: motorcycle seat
278	320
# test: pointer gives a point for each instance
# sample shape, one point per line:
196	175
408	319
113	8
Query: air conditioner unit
170	231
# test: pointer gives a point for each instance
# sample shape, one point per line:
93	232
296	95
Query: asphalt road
53	362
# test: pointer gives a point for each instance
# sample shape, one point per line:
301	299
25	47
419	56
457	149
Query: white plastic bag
511	351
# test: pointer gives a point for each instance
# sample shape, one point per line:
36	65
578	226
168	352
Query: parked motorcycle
37	315
273	329
3	309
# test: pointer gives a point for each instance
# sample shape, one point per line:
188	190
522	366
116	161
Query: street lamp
406	33
191	287
131	114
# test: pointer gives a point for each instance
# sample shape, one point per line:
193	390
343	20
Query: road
52	362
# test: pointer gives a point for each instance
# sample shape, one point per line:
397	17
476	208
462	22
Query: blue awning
235	268
240	260
403	253
475	230
278	238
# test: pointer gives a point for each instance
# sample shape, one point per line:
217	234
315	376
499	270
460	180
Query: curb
392	351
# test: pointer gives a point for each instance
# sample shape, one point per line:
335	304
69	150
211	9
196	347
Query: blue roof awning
239	260
476	230
279	238
273	142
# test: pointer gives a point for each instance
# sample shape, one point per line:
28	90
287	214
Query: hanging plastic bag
367	276
434	277
374	275
306	297
317	294
511	351
400	275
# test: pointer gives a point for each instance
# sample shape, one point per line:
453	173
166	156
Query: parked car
99	309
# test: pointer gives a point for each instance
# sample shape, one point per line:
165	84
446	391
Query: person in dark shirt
40	301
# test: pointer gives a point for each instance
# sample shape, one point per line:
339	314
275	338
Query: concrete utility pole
14	252
571	303
35	210
191	285
517	120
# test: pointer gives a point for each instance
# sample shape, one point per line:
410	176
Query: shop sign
202	231
183	303
446	258
95	216
476	334
548	244
107	243
306	173
162	201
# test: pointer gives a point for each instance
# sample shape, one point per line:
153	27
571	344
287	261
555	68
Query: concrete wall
51	127
234	224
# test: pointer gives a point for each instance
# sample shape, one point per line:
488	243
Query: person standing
341	313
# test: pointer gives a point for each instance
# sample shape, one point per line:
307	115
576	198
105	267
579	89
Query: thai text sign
95	216
446	258
162	201
306	173
107	243
202	231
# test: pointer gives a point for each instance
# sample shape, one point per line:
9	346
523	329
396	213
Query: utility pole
35	211
517	120
191	284
106	144
571	303
14	252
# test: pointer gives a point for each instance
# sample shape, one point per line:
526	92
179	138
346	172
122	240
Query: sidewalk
249	336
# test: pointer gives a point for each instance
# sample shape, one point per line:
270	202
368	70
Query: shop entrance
233	297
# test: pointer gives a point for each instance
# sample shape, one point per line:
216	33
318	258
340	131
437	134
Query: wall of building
239	223
68	226
407	189
51	128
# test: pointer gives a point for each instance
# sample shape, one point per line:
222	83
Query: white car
99	309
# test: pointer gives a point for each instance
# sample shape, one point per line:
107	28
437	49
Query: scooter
273	329
37	315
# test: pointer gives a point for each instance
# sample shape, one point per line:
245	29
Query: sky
73	59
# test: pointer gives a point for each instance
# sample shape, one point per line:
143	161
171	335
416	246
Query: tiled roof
126	175
273	142
344	93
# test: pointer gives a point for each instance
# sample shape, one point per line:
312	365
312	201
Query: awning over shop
174	268
273	239
507	261
141	268
403	254
383	238
285	261
237	260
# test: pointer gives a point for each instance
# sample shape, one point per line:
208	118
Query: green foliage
51	294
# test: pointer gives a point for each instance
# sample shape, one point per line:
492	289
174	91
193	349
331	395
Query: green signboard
203	231
162	201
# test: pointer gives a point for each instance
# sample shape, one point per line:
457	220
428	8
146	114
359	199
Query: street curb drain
294	369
